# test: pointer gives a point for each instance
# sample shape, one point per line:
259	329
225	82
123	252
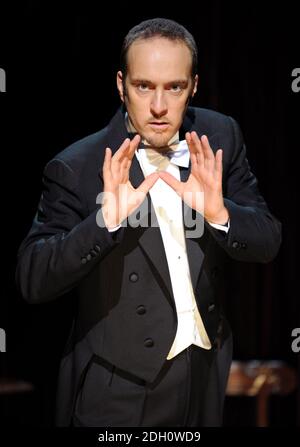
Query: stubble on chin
157	141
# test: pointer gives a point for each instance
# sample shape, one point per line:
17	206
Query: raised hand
120	198
205	177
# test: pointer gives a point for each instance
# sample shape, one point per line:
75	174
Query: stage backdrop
60	65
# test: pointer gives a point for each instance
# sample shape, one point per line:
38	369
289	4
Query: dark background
60	63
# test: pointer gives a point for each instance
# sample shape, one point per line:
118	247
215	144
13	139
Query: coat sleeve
255	234
63	244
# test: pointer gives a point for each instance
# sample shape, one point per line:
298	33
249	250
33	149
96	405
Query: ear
120	85
195	85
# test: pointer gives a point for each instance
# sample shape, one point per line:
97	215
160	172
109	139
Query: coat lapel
152	244
194	252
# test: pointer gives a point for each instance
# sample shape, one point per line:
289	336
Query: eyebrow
181	82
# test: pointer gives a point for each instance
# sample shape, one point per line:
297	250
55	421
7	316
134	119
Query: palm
120	197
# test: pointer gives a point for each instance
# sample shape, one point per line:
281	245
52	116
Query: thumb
172	181
149	181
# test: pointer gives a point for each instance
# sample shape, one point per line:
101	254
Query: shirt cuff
111	230
221	227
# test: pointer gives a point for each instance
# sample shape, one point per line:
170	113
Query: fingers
219	164
120	162
202	155
199	146
107	163
195	147
147	184
127	149
122	149
134	143
207	150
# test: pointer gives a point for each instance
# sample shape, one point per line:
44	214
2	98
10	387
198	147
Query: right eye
143	87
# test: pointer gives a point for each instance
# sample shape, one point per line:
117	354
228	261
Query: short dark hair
162	28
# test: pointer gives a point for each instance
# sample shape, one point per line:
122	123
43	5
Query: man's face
158	87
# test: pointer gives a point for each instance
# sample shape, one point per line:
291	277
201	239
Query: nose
158	105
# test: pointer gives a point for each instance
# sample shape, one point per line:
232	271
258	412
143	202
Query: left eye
175	88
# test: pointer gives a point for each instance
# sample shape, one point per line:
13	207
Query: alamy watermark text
2	81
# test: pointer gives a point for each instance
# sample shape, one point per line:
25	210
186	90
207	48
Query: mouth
157	125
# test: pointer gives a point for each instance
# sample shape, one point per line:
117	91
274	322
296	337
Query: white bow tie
178	154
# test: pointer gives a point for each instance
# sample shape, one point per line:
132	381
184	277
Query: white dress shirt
168	209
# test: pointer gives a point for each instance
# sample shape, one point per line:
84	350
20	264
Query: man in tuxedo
149	345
